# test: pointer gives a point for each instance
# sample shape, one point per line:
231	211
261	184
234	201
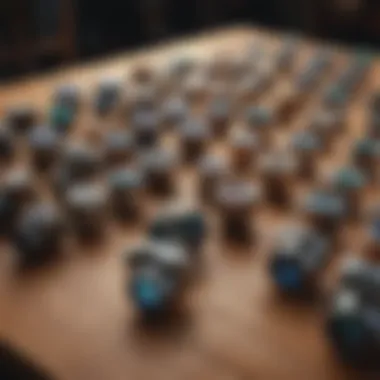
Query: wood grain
75	318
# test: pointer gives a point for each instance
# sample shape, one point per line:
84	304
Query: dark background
39	34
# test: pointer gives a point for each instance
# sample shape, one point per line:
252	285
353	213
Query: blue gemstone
365	147
125	179
349	335
61	117
193	228
43	138
175	110
259	116
336	95
324	203
349	178
68	95
148	293
103	105
306	141
351	332
189	228
287	275
220	105
314	69
107	95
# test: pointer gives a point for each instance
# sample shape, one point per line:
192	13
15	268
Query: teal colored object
336	95
259	117
125	179
107	96
149	292
61	117
68	95
287	275
187	227
324	203
306	141
366	147
103	104
220	108
43	138
349	179
349	335
175	110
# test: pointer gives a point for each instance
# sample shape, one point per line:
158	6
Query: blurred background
39	34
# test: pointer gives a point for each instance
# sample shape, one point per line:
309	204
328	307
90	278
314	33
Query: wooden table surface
75	319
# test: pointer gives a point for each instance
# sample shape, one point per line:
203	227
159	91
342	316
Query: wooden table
75	319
